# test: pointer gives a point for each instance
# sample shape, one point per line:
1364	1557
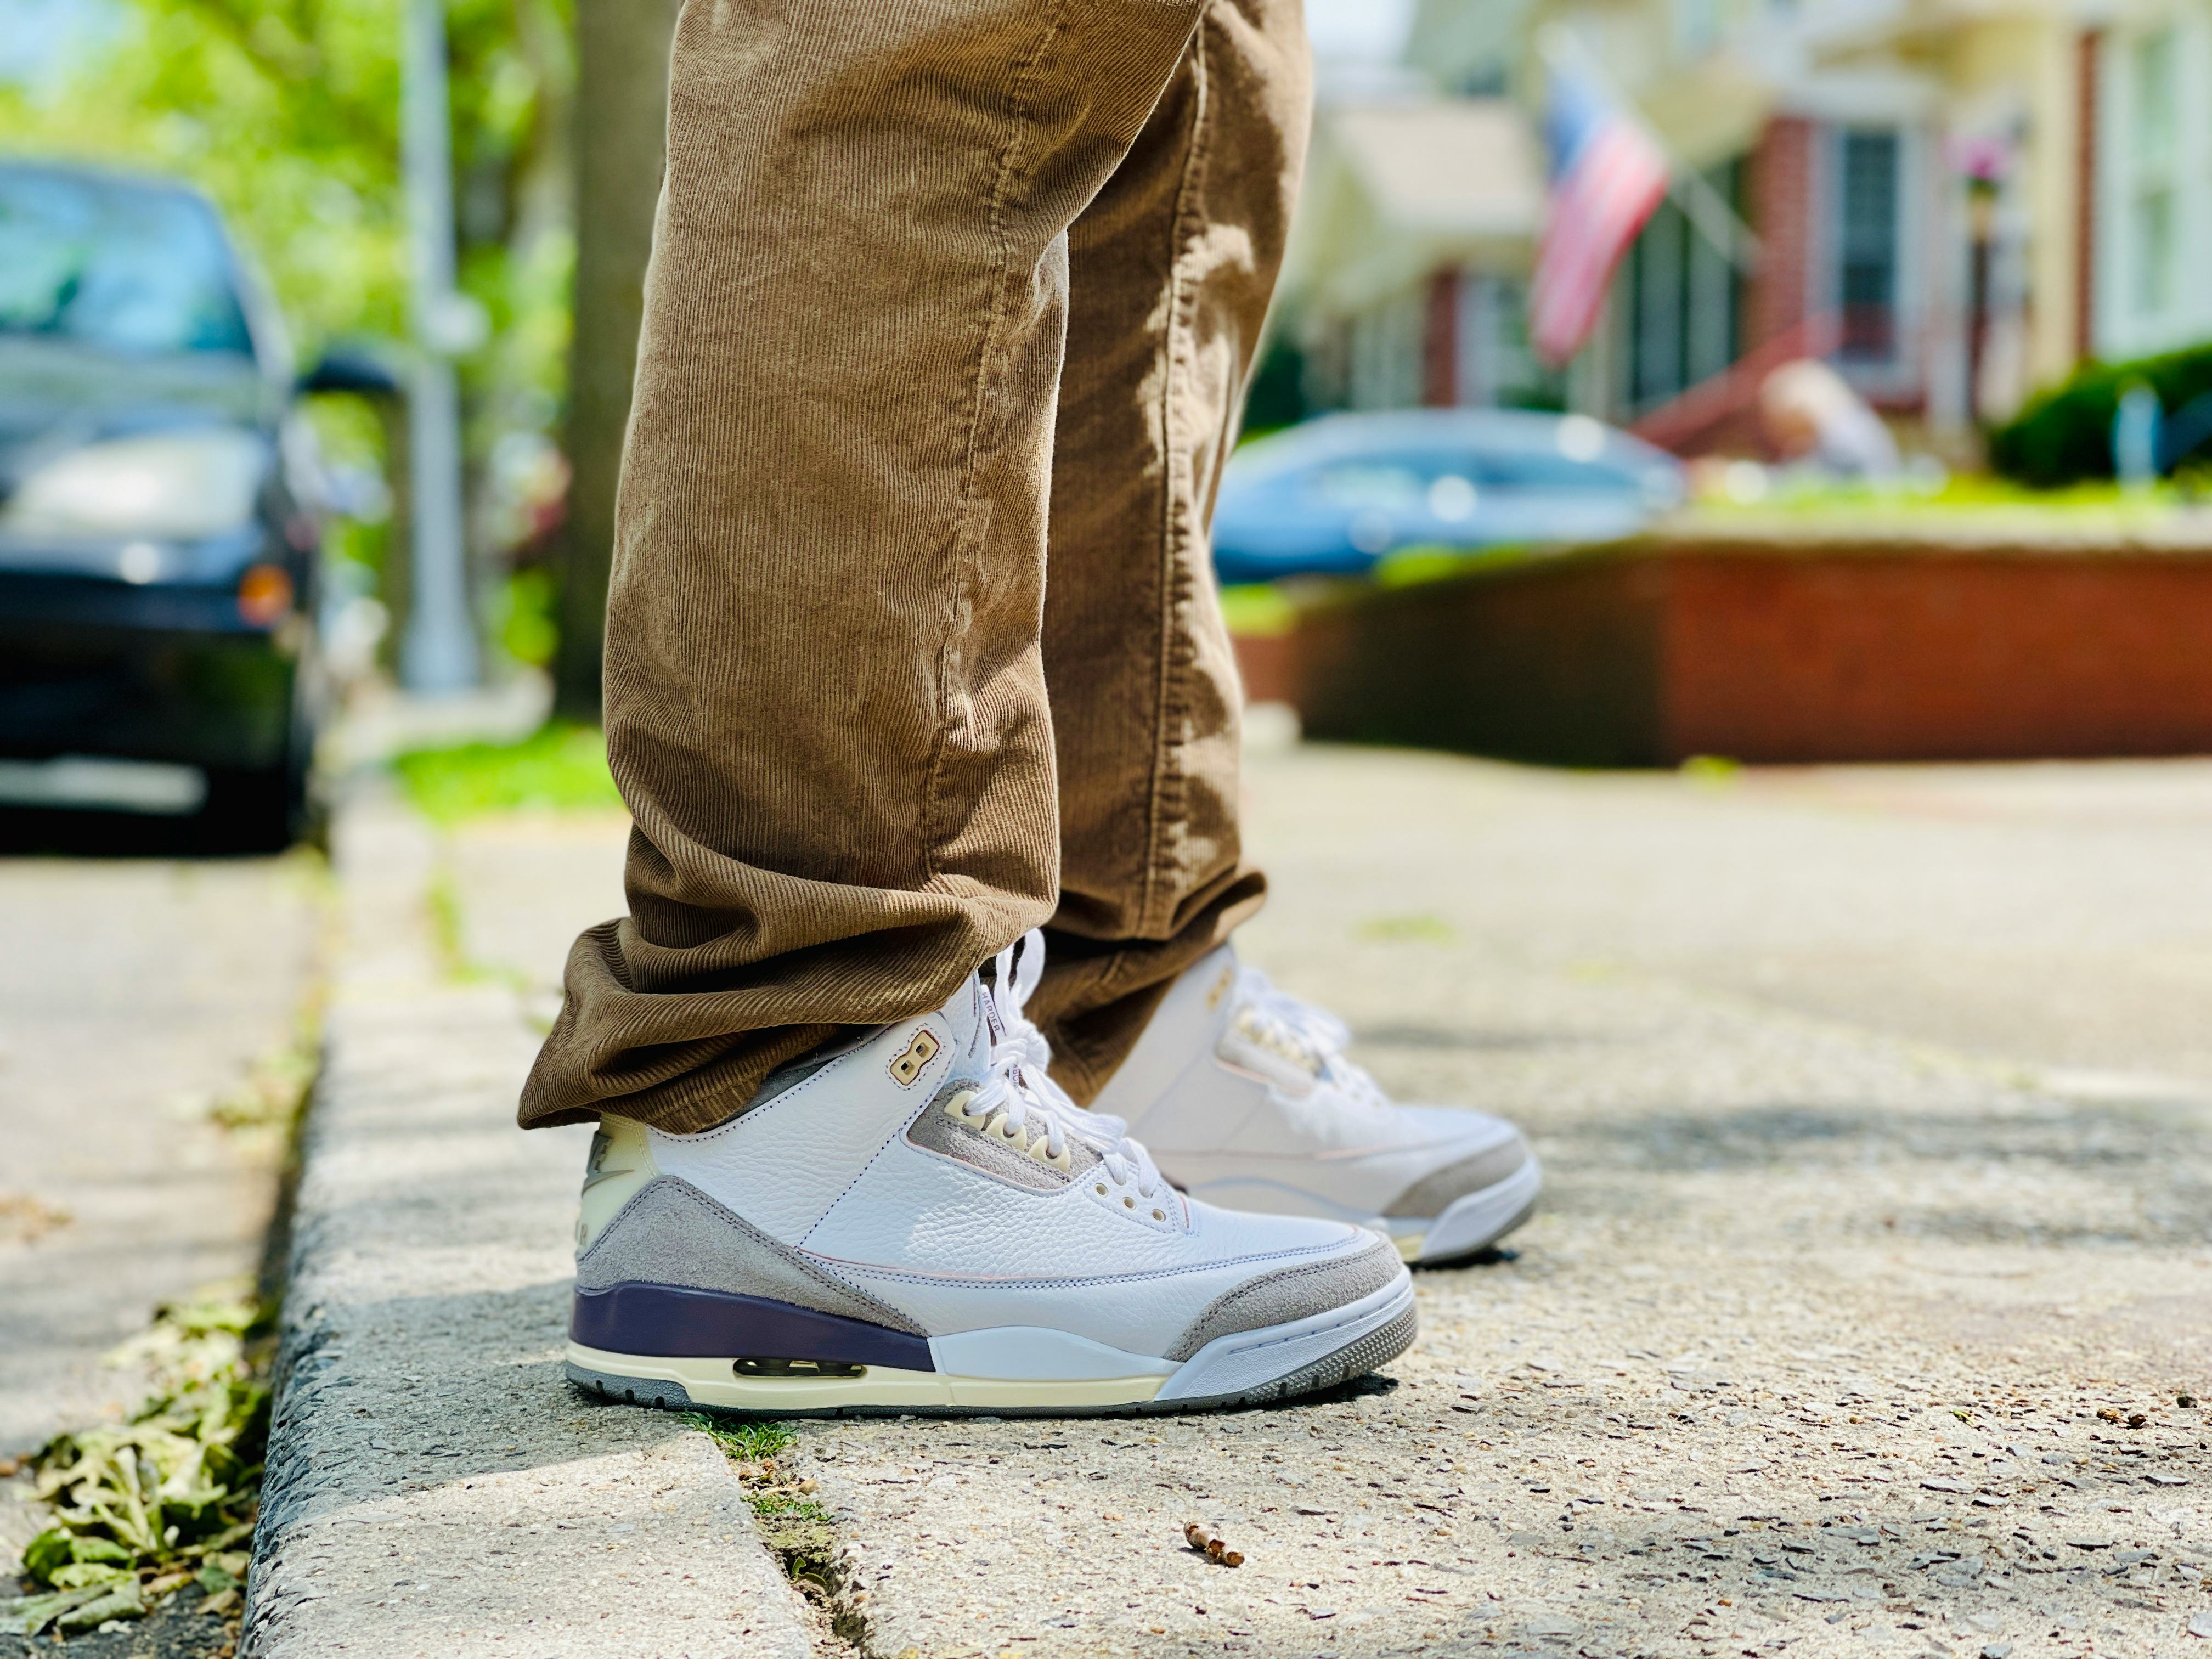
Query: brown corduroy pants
913	641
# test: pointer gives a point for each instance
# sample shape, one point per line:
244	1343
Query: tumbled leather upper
1216	1110
826	1168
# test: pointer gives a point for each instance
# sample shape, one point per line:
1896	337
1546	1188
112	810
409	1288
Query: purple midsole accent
672	1323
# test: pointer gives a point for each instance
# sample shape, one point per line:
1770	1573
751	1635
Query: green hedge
2065	434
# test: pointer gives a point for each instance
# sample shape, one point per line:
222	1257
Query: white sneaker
923	1222
1246	1098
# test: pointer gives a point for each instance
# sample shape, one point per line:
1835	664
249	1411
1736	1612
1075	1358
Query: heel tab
619	1164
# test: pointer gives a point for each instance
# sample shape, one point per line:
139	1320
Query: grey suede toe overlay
1286	1293
1435	1192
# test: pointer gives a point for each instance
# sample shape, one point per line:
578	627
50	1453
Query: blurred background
1719	558
316	324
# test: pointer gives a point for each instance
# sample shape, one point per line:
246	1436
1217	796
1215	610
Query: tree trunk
620	130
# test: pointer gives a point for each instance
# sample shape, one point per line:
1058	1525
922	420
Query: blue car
1334	495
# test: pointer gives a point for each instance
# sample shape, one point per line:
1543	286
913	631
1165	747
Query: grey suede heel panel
671	1233
1434	1193
1288	1293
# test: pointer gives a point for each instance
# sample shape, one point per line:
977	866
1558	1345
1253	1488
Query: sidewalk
434	1487
1875	1107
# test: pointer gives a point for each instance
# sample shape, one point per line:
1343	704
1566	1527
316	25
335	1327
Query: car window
1368	483
121	267
1448	481
1535	469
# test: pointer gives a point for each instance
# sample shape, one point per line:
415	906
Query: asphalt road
137	989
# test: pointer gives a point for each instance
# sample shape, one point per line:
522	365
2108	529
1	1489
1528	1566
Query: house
1410	255
1954	200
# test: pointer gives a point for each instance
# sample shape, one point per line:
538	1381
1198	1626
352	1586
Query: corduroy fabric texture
913	643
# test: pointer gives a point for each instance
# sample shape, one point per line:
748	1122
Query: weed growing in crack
796	1528
163	1505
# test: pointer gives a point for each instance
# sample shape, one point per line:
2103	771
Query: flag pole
1562	52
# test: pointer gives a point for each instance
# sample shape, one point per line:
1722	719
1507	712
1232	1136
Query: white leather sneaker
923	1222
1246	1098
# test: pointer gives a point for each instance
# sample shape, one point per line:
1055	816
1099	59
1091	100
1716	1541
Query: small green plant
165	1503
275	1087
796	1528
441	897
745	1440
1711	769
560	767
1416	929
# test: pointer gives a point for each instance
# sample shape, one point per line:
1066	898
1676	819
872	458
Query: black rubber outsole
1355	1358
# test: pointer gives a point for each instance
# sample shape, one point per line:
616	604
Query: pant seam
1167	781
967	548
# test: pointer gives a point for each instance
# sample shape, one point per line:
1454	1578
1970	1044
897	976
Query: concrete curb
434	1486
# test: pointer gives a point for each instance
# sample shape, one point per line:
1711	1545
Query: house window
2154	141
1685	302
1868	201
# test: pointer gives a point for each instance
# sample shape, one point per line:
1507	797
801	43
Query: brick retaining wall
1651	652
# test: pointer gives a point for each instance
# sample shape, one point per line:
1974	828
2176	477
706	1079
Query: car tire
260	810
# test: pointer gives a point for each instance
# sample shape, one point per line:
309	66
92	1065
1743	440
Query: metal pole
438	651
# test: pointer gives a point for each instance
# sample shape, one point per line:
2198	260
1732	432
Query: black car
159	541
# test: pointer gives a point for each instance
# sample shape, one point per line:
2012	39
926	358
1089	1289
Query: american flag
1607	178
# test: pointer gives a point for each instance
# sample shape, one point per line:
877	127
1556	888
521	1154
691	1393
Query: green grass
744	1441
1258	610
796	1529
1961	492
1423	928
561	767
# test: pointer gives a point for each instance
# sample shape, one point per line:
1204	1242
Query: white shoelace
1019	1085
1316	1038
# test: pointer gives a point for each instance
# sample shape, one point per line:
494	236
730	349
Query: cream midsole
714	1383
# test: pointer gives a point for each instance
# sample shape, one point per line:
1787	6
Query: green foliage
283	112
2064	434
168	1500
1276	396
526	619
286	114
561	768
1258	610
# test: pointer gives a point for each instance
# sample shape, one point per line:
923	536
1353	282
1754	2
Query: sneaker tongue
992	1022
1257	1042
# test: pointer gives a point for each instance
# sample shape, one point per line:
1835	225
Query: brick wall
1440	342
1779	195
1650	653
